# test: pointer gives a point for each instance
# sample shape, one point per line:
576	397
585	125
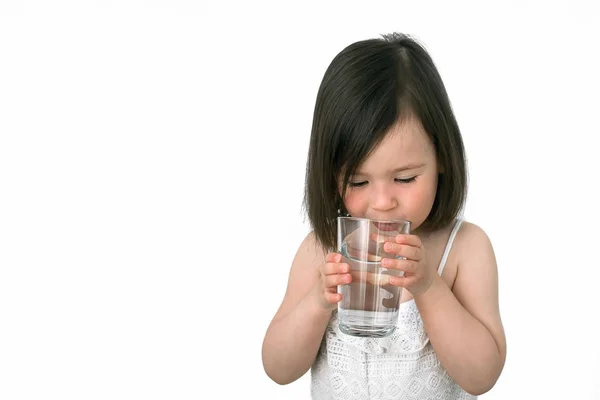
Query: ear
440	169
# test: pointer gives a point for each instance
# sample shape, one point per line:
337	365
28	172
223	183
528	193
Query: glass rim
392	221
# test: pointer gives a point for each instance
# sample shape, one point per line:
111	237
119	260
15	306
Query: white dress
400	366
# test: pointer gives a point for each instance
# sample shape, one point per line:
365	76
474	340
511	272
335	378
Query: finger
361	254
335	268
337	279
333	257
402	281
404	250
409	266
333	297
369	278
411	240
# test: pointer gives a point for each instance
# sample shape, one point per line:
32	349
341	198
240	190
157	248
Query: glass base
367	331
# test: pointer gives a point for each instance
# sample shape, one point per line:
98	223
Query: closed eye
357	184
398	180
407	180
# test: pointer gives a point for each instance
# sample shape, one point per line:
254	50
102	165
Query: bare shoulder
472	242
310	251
476	264
470	231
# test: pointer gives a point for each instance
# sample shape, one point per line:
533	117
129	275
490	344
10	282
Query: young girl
386	145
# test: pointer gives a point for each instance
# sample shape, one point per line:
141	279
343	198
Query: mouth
386	226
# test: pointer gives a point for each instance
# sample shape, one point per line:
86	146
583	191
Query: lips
386	226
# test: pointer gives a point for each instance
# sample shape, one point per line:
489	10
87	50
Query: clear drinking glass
369	306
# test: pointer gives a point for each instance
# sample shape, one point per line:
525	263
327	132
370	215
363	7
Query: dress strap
449	245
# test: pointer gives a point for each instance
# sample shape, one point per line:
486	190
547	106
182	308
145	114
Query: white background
152	161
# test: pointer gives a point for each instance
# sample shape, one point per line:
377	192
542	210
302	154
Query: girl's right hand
333	272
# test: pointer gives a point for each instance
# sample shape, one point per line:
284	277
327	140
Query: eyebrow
399	169
408	167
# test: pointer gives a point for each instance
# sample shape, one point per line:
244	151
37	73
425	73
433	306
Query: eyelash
361	184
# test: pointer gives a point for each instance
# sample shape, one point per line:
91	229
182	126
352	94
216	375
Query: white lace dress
400	366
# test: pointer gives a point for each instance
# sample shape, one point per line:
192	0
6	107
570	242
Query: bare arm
464	324
293	338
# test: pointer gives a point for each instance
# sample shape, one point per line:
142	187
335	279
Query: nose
382	198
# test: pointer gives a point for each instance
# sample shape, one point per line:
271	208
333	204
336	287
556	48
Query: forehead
405	143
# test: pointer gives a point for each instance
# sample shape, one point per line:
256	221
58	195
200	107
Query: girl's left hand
418	275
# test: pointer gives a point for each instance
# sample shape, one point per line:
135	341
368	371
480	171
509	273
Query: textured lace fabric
400	366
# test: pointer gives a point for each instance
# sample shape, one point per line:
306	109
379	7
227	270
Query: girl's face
399	178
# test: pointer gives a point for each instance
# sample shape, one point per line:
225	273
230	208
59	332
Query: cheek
421	199
354	202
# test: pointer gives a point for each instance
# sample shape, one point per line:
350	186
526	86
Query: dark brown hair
369	86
